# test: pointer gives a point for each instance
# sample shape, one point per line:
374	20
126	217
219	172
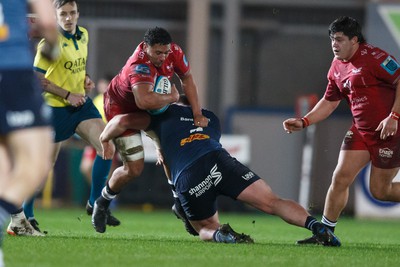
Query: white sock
107	195
327	222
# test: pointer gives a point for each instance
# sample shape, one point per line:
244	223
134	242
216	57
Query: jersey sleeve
41	64
332	92
142	73
181	65
386	68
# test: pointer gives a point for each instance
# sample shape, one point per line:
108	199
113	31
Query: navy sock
9	207
312	224
100	171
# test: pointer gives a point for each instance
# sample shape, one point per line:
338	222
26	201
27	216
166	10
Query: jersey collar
76	36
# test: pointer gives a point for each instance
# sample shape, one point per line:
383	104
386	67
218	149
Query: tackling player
368	79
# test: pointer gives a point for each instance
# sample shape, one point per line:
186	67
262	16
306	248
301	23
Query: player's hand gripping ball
161	86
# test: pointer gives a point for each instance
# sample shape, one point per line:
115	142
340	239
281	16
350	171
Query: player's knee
341	180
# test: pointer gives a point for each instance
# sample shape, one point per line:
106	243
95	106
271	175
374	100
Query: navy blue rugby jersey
181	141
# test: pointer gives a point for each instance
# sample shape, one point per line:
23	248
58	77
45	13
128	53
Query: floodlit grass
159	239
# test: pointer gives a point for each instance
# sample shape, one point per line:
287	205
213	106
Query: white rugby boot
20	226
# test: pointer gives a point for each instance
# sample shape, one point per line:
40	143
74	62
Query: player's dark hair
349	26
60	3
157	35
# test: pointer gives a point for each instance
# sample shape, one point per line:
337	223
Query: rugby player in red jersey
131	90
368	79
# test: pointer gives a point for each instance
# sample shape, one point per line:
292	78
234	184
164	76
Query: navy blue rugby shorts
216	173
21	101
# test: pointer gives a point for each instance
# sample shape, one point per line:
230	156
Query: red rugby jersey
139	69
368	83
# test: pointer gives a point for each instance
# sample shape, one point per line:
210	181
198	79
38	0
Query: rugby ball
161	86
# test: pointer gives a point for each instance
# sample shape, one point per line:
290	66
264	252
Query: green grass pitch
158	239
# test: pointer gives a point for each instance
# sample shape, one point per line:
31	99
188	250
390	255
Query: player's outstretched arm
321	111
190	89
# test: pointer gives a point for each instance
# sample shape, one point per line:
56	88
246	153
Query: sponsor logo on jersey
385	153
359	102
347	138
76	66
356	71
349	134
170	66
142	69
198	129
4	31
337	75
212	179
364	52
186	119
248	175
194	137
390	65
347	84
